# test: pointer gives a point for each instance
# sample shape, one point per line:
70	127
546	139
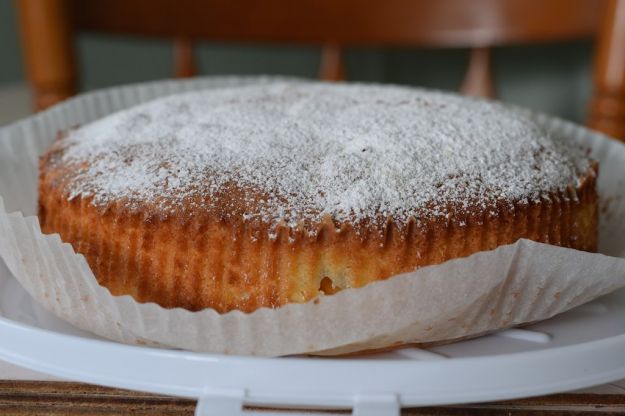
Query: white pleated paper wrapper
488	291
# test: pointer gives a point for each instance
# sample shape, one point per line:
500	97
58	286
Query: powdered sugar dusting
295	152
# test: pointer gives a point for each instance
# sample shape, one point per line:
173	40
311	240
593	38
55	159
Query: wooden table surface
61	398
64	398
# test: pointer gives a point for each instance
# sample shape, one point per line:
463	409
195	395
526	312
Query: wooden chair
48	28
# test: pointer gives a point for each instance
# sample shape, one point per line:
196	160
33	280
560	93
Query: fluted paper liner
488	291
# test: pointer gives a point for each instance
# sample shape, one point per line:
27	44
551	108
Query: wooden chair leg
332	66
184	59
478	81
607	106
48	50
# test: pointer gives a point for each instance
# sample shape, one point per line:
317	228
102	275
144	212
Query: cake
259	196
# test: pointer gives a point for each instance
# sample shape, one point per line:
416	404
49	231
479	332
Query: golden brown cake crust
225	264
261	196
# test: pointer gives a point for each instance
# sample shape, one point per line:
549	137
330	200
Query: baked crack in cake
259	196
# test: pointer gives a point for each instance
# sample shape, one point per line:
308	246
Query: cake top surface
293	153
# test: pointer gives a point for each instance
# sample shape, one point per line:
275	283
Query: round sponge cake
258	196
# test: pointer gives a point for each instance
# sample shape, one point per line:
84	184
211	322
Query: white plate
580	348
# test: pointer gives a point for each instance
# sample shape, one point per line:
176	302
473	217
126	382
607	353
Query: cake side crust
224	263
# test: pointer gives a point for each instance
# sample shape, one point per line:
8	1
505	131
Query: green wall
554	78
10	58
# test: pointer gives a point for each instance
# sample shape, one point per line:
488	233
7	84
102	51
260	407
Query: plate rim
256	395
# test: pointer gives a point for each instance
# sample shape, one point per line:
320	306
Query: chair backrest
48	27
